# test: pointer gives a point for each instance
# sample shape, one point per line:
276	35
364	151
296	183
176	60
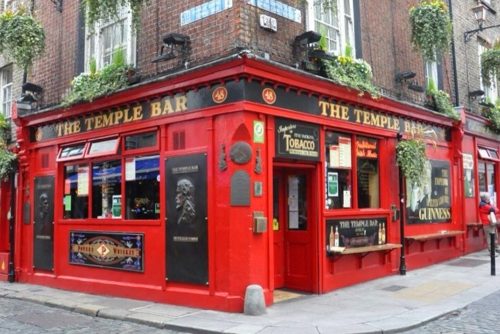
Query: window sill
110	222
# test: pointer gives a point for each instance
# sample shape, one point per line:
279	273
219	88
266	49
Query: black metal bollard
492	253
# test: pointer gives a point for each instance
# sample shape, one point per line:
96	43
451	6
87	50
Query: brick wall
468	65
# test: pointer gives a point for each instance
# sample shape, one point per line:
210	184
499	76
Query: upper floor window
335	22
6	4
107	37
490	91
6	90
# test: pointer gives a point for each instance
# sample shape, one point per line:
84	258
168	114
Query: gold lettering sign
122	115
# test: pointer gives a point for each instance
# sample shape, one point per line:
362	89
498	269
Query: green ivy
88	86
8	160
490	64
108	10
354	73
22	38
411	157
430	28
493	115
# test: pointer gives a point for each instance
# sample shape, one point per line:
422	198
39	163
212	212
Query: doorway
294	225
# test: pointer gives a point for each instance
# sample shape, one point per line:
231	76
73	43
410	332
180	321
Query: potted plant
492	114
490	63
351	72
430	27
440	101
88	86
22	38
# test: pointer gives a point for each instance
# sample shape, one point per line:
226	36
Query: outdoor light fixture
58	4
174	45
476	93
414	86
480	16
402	76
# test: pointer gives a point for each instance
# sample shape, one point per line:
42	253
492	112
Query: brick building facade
231	165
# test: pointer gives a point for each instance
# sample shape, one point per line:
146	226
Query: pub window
76	191
106	189
368	175
341	171
141	140
142	187
71	152
102	148
486	178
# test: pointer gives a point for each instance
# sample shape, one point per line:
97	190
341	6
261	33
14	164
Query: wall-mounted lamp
480	16
476	93
403	76
59	4
414	86
174	45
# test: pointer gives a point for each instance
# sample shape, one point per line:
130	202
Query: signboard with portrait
296	140
468	164
43	223
430	202
187	240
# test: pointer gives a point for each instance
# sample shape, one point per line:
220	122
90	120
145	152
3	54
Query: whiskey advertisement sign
114	250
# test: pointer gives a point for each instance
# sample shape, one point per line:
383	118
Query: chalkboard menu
430	202
355	232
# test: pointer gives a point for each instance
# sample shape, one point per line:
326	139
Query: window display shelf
363	250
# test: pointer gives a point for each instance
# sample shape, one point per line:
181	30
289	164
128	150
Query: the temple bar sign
150	109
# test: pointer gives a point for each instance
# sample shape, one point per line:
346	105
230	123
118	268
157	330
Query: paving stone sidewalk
390	304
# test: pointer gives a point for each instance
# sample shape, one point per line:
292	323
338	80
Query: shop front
188	189
480	148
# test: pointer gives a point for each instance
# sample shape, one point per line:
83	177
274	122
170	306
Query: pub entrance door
294	226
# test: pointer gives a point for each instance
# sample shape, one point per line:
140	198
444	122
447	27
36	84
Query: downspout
12	223
454	55
402	259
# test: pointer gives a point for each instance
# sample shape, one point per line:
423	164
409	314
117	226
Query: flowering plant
351	72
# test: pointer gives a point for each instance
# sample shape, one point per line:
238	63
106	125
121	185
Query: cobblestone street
480	317
18	316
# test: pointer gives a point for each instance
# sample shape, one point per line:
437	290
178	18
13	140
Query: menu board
344	152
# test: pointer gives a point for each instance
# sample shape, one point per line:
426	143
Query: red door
293	225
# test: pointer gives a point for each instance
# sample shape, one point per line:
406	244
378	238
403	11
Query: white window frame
490	91
340	25
6	91
431	73
94	40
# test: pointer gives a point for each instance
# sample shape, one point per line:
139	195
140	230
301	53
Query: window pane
106	188
339	174
482	177
368	178
103	146
72	151
493	154
297	202
490	178
141	140
76	191
142	187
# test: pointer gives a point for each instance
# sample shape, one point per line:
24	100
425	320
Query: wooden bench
474	225
363	250
431	236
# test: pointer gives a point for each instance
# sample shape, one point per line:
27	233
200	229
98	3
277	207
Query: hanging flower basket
411	158
22	38
490	64
492	114
430	28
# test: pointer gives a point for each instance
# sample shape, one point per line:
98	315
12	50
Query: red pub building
192	185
